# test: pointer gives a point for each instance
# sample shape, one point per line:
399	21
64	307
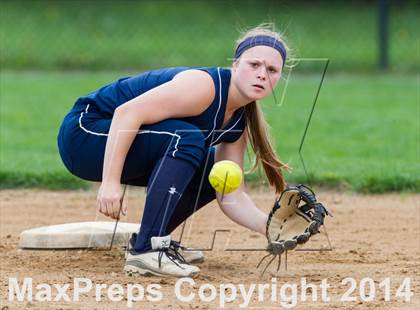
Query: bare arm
188	94
237	205
158	104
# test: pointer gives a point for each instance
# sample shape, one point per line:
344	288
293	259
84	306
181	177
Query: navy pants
82	140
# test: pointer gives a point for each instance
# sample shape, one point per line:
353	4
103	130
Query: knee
201	176
190	146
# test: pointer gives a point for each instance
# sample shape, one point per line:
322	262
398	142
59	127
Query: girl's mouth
258	86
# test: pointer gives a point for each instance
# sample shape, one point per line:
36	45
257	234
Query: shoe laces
175	247
172	253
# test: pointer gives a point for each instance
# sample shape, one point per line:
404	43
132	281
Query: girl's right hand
110	196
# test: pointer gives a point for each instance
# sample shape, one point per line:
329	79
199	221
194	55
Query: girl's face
257	72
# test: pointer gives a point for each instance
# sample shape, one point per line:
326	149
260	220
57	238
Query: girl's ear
235	64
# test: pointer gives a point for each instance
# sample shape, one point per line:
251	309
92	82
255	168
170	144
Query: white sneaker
190	255
162	261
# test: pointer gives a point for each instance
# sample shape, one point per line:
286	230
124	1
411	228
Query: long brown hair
257	127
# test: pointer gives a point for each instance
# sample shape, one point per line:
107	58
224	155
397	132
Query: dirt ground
375	239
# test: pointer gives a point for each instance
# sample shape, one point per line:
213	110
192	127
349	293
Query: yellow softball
225	176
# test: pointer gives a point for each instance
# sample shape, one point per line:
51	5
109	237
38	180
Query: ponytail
259	138
257	127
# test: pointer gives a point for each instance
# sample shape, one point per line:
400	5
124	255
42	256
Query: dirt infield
374	238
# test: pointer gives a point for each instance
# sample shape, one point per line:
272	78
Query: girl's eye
272	70
254	64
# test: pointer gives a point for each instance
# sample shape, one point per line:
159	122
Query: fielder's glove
292	222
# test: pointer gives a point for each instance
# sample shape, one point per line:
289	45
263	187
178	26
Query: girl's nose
261	74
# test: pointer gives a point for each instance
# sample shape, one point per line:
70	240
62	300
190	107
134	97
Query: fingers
102	207
110	198
109	208
123	209
303	238
115	212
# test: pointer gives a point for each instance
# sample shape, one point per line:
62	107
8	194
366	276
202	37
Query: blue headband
261	40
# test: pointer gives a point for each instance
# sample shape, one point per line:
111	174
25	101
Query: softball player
160	129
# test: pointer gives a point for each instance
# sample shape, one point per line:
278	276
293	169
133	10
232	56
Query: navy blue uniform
186	142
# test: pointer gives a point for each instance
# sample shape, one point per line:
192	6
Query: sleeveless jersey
105	100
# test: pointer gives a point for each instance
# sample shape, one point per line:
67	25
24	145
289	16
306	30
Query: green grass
364	134
149	34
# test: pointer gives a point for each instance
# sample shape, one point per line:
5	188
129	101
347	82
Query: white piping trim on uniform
178	137
220	103
139	131
227	130
88	131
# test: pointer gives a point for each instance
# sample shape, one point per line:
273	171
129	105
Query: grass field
136	34
364	133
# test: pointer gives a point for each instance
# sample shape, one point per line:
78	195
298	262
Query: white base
77	235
